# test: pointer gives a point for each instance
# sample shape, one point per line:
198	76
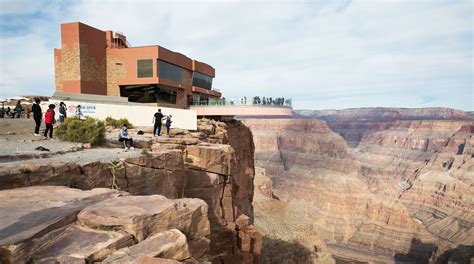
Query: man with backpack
37	115
49	121
157	120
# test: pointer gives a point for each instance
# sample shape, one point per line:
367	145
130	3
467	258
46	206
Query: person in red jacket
49	120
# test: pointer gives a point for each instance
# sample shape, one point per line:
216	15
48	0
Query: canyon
369	185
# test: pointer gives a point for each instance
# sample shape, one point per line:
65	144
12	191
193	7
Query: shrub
24	170
117	123
145	153
189	160
89	130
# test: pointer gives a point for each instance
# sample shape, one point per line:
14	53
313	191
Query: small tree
89	130
117	123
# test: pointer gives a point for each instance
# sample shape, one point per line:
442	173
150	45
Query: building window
148	94
172	72
144	68
202	80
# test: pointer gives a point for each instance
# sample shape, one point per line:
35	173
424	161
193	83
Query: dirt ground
17	137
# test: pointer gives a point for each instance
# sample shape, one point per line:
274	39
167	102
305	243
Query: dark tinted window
202	80
144	68
172	72
148	94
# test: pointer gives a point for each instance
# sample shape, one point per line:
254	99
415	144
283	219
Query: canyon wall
405	194
352	124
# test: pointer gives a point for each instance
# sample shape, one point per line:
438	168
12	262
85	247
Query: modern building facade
92	61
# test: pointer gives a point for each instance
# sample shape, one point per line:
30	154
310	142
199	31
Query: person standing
168	125
49	121
18	109
157	120
37	115
62	112
78	113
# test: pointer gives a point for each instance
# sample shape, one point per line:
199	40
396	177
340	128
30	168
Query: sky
322	54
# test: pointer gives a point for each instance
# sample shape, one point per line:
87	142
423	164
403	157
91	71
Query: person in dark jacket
62	112
36	108
157	120
18	109
168	125
49	121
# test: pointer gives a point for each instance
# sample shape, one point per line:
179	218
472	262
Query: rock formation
405	193
214	164
352	124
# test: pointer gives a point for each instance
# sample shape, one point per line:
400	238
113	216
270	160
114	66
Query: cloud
322	54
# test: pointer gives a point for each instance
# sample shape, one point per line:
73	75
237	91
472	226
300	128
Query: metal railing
241	102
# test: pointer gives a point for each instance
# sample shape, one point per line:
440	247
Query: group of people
279	101
158	119
49	117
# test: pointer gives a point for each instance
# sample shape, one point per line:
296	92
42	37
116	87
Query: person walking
49	121
37	115
125	138
62	112
168	125
157	120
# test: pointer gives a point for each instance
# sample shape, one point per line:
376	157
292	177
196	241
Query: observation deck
228	108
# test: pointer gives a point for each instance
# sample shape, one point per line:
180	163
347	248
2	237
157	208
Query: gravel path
17	140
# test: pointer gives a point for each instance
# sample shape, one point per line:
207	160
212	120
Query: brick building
92	61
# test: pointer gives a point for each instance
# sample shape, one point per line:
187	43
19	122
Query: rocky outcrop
224	184
63	225
37	214
214	164
168	245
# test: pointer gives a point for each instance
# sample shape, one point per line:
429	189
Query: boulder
169	244
143	216
215	158
82	244
162	159
35	214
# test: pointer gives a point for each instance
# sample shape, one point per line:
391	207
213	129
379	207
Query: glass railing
286	103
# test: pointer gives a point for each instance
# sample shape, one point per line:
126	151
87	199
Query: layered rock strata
311	168
214	164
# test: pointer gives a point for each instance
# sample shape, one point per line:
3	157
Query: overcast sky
323	54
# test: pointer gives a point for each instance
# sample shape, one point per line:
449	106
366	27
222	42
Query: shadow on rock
462	254
419	253
276	251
